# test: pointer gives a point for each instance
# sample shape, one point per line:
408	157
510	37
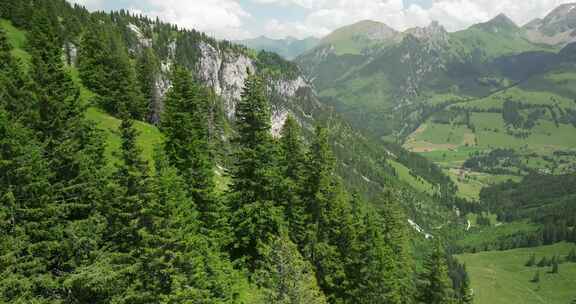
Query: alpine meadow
287	152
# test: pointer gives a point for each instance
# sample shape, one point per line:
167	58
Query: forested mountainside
493	106
154	47
371	72
486	104
143	163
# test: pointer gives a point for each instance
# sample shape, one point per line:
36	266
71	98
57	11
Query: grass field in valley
500	277
450	145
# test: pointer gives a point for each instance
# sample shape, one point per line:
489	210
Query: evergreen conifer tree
105	68
536	278
437	288
285	276
185	123
395	235
137	234
199	272
26	228
466	289
554	265
256	213
329	232
572	256
293	163
15	95
147	68
374	273
543	262
56	224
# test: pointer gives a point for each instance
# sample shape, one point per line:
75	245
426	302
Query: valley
493	106
455	98
371	165
502	277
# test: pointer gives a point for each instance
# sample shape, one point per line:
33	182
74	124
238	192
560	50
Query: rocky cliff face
226	72
557	28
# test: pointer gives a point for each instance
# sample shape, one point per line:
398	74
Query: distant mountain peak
503	19
433	32
359	37
370	29
563	10
558	22
500	23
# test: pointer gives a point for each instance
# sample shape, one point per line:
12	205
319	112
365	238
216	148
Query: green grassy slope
149	136
491	44
17	38
552	93
355	38
415	182
500	277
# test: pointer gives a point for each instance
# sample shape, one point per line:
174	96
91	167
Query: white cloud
228	19
459	14
221	18
326	15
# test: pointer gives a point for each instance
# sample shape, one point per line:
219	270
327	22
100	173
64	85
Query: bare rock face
142	40
288	87
225	72
434	34
161	85
70	53
557	28
278	119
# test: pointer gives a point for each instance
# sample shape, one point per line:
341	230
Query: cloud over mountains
244	18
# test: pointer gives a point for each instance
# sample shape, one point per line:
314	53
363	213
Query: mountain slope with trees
80	224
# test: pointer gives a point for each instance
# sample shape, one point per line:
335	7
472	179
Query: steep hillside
365	166
361	37
381	92
86	216
449	96
497	37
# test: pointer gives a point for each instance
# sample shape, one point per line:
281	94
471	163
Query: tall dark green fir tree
467	297
330	234
185	123
15	90
256	213
436	283
293	164
106	68
55	225
147	71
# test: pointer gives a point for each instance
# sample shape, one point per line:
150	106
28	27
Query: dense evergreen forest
79	227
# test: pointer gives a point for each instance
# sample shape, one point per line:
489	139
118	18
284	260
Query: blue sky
238	19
